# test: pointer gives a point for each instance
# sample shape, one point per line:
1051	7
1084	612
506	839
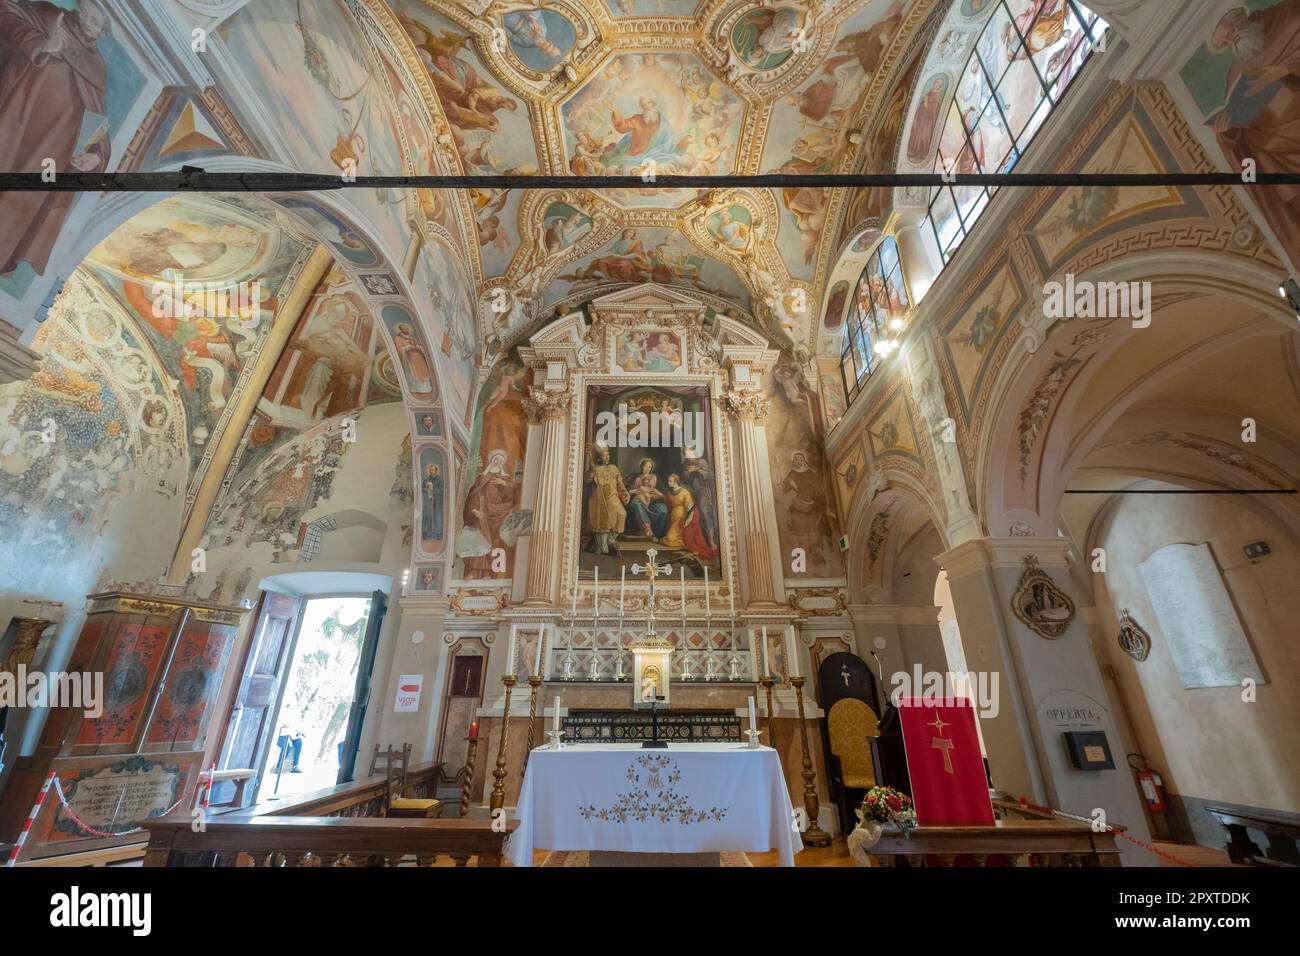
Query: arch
878	527
1054	376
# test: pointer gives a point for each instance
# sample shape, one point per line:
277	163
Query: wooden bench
1049	842
240	778
246	840
1282	837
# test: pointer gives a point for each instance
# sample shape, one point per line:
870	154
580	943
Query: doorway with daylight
296	720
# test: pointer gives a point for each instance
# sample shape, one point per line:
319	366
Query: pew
1282	837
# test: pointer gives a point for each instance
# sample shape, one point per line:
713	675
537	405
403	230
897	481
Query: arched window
875	316
1026	56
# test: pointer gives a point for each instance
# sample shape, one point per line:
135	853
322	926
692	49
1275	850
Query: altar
686	798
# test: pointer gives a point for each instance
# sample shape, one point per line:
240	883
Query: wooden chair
396	803
848	694
850	725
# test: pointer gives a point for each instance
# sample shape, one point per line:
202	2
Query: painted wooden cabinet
161	661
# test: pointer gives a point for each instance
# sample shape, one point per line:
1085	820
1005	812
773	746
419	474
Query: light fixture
895	323
1290	290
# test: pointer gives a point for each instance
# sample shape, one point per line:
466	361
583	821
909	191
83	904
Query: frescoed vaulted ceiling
628	87
667	86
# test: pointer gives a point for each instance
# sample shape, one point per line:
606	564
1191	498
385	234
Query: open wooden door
361	699
249	730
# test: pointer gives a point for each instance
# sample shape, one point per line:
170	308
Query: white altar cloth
689	798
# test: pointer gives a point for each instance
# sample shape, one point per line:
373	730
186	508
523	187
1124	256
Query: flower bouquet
881	806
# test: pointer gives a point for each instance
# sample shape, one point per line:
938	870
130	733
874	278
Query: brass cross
652	570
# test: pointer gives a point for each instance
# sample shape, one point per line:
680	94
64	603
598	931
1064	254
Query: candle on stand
510	655
541	651
767	664
753	716
595	599
683	580
791	653
555	716
708	609
731	602
573	611
622	586
473	730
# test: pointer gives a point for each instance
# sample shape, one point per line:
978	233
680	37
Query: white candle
510	655
792	652
731	602
555	717
541	651
573	612
753	717
767	668
595	597
683	580
622	585
708	609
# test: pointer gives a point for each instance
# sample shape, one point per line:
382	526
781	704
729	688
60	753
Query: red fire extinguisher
1152	788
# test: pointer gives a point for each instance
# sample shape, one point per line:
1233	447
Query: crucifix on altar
651	655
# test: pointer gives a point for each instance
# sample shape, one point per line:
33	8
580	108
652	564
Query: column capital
746	405
988	553
545	405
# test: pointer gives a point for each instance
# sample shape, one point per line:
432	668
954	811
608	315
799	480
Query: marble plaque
1197	617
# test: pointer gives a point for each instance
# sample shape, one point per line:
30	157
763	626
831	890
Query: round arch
1033	399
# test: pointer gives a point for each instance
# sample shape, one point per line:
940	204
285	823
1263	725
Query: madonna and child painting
649	479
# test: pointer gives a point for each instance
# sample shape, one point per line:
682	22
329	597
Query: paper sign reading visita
408	693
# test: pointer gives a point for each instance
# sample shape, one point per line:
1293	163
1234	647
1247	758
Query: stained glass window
1025	57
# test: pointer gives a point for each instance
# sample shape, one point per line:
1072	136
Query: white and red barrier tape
31	818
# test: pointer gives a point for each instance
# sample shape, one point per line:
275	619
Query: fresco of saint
490	501
431	505
1260	119
51	77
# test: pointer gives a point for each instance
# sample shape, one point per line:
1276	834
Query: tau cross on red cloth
943	760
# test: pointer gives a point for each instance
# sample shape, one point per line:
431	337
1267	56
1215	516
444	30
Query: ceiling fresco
202	278
634	87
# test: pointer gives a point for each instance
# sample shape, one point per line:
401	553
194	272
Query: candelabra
498	800
471	751
814	835
534	682
771	712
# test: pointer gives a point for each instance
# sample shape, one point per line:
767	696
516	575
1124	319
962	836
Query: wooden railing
274	841
1051	842
360	798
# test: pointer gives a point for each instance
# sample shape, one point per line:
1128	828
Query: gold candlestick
471	751
535	681
814	835
767	683
499	774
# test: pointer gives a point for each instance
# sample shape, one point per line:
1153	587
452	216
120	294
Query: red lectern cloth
949	787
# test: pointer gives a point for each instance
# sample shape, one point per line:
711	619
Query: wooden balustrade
270	840
1051	842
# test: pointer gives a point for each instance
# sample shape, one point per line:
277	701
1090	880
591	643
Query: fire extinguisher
1152	788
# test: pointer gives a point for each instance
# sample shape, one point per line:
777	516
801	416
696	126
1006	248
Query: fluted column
749	409
547	408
